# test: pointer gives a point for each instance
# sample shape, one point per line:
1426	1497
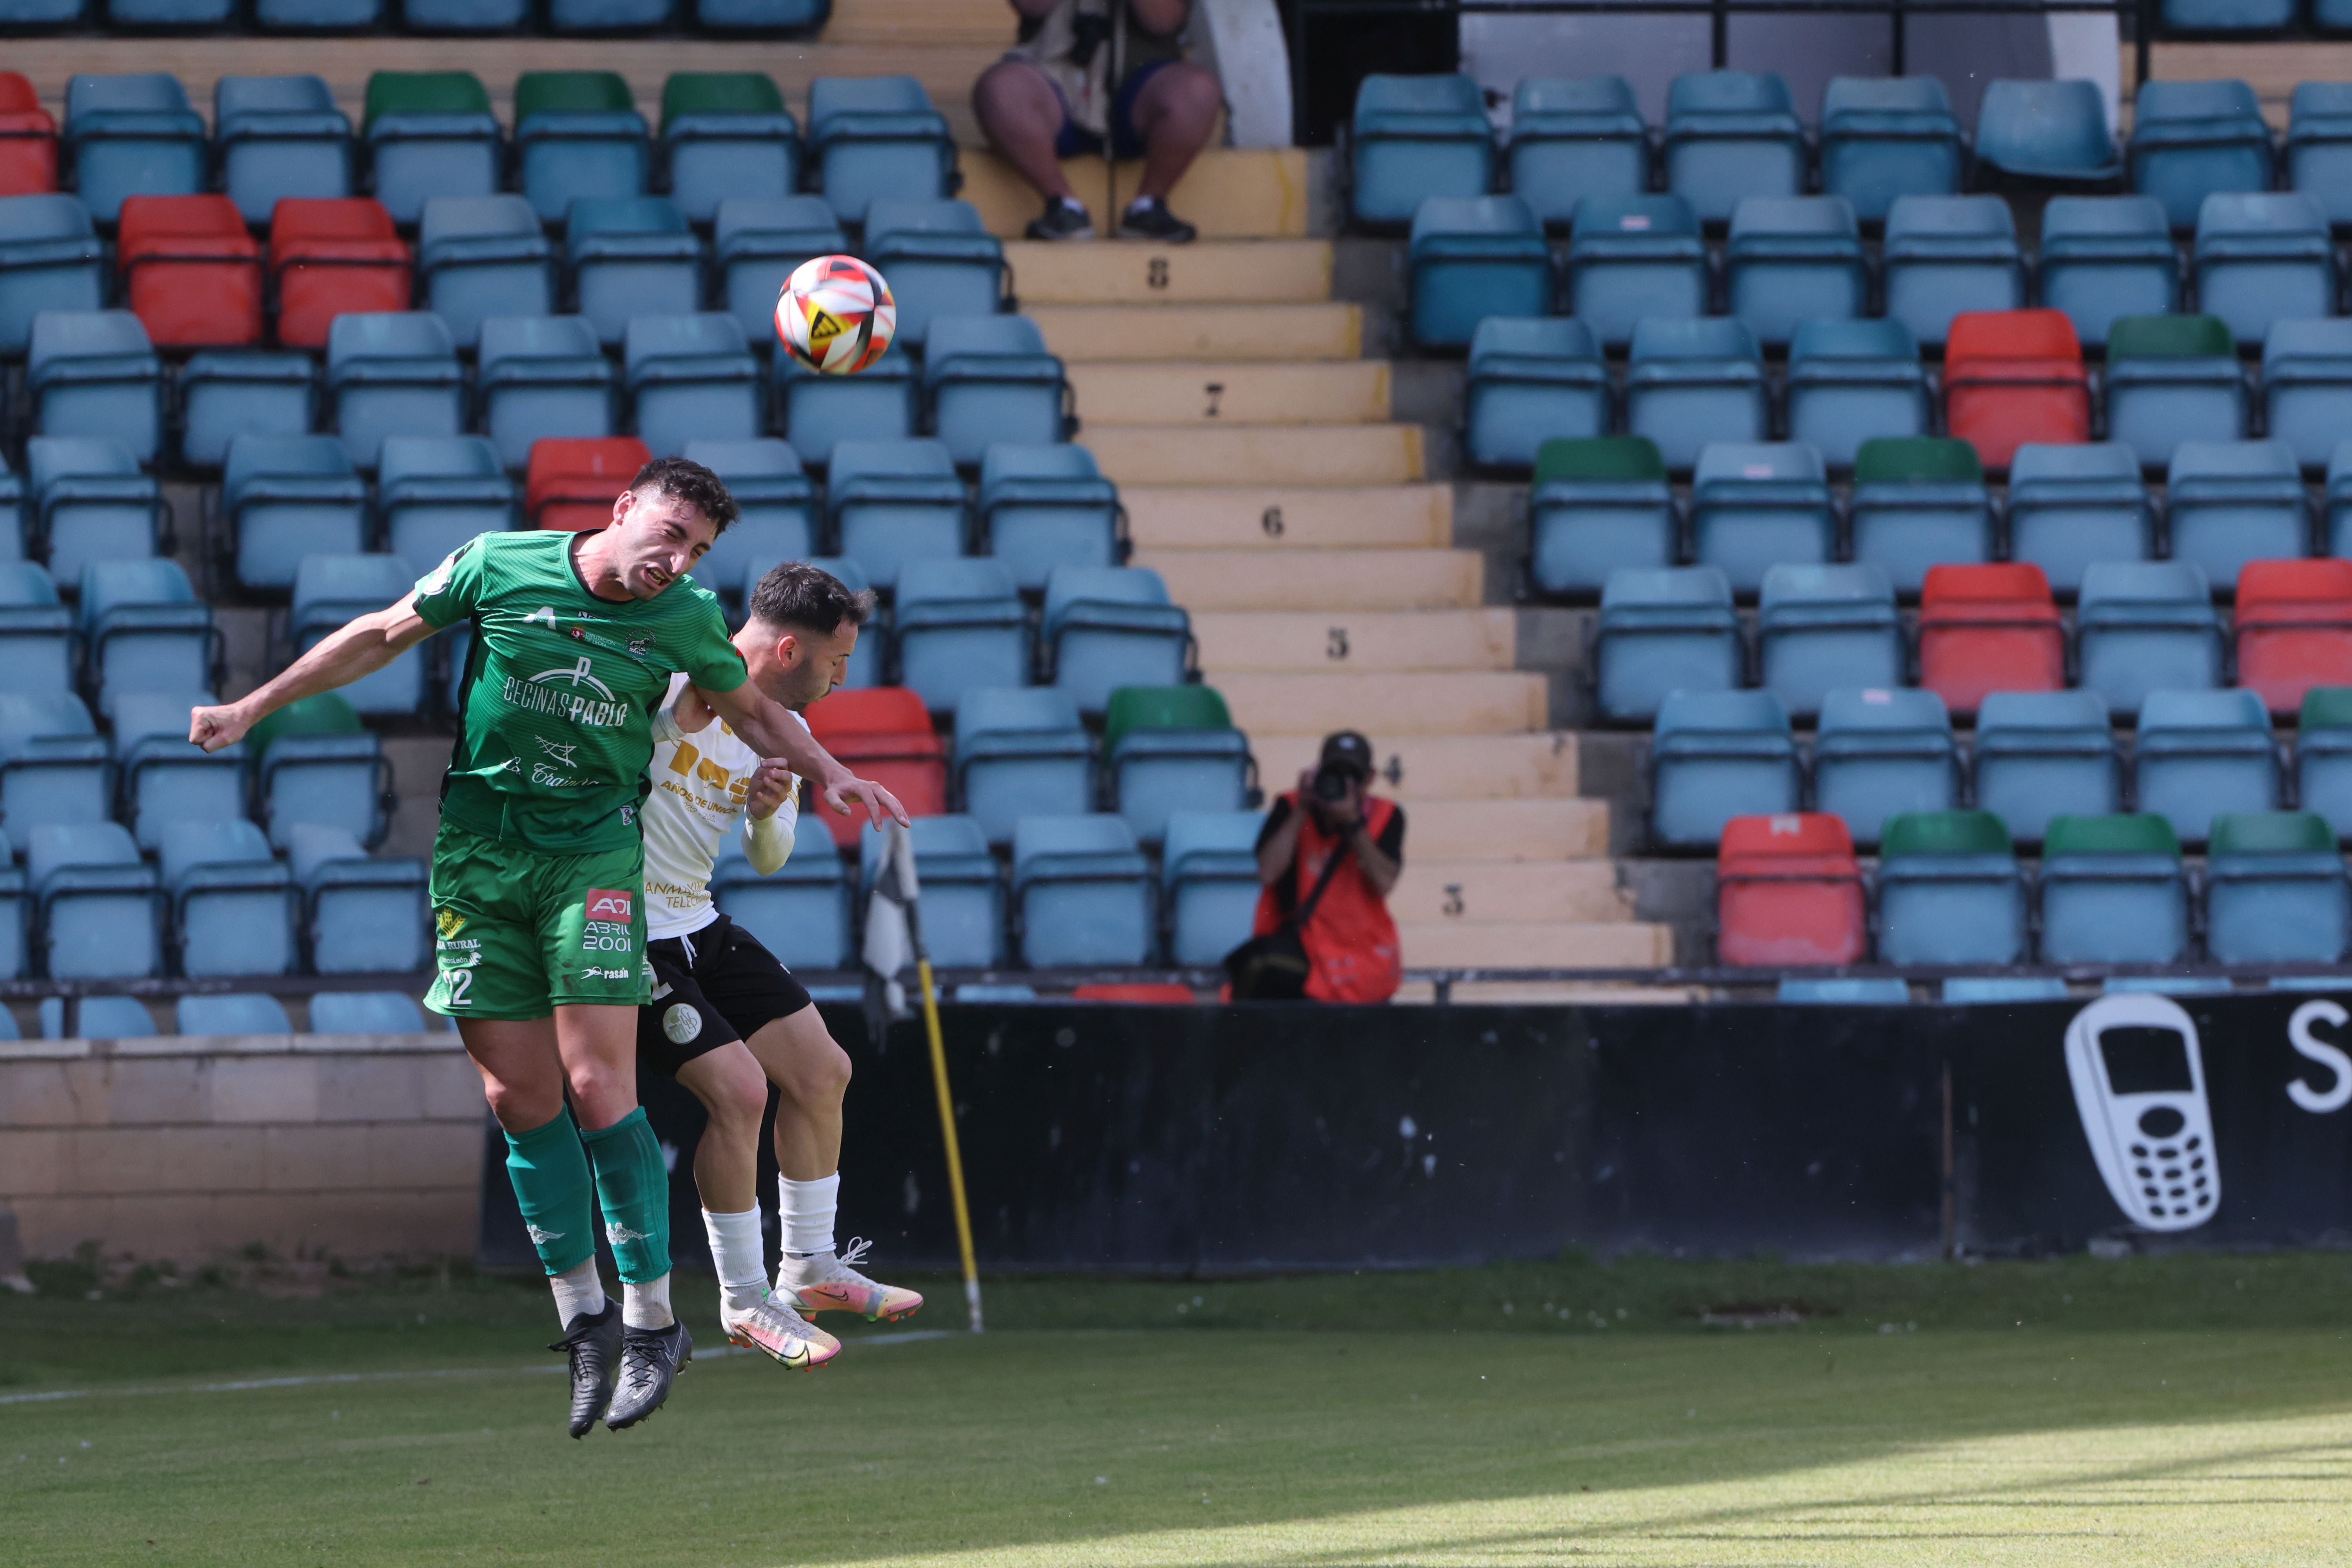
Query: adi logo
450	922
607	904
823	327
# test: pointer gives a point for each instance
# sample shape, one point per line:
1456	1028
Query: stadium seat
99	911
607	15
1788	891
2275	891
94	373
102	1018
430	133
1850	991
1949	890
285	498
756	244
1632	259
15	536
799	911
2261	257
367	1012
2046	131
1754	505
227	393
1731	134
1021	751
435	492
145	630
2015	377
332	257
1851	382
1575	138
2335	536
1108	627
2041	754
1598	505
1082	892
726	136
892	502
1793	259
577	137
1414	136
630	255
28	140
238	1013
763	15
50	259
54	770
1471	258
2106	257
961	626
2113	891
316	16
541	376
1043	506
2322	756
818	412
15	923
988	379
691	378
1988	627
478	257
1887	137
2200	752
1209	883
1532	379
2308	386
360	915
1918	502
2293	629
2143	627
316	765
1949	255
884	734
2071	505
2230	502
572	484
90	503
1691	383
2318	147
963	892
394	373
2169	379
1664	629
191	273
1824	627
1173	748
2228	15
35	632
877	136
279	136
1715	755
1881	752
940	260
777	515
163	778
132	135
332	589
232	906
2190	138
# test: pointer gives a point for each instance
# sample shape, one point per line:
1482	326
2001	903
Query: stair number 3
1335	645
1452	906
1155	272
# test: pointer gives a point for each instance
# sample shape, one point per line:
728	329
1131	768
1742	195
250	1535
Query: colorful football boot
770	1327
825	1282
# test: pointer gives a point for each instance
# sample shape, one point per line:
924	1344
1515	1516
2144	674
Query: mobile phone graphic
2140	1087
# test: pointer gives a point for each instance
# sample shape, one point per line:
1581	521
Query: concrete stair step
1344	640
1548	831
1561	944
1425	771
1351	579
1467	702
1224	518
1261	453
1131	272
1089	332
1315	392
1486	891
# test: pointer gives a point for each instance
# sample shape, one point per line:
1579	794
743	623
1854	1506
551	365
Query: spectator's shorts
1126	141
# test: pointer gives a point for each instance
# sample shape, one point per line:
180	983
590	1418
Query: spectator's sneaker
770	1327
827	1283
595	1346
650	1358
1147	217
1064	220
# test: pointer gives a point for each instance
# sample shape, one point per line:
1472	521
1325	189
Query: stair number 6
1272	522
1155	272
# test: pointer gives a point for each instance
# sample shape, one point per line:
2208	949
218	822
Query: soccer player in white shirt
726	1019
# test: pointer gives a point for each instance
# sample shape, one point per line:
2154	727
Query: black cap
1349	751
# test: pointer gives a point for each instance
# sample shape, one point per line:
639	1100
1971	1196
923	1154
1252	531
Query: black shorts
711	987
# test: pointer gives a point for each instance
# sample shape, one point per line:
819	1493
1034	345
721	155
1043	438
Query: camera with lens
1331	782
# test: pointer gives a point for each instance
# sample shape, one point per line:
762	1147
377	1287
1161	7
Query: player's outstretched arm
772	731
360	648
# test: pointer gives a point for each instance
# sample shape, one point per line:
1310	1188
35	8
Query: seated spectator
1055	96
1335	850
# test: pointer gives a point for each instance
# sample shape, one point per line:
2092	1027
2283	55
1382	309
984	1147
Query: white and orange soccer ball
835	315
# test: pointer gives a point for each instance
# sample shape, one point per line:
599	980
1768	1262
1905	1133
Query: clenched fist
773	783
213	727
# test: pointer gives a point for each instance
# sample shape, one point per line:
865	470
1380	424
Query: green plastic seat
571	92
1942	833
424	92
2170	337
1162	708
718	93
1913	459
2326	708
1599	458
2123	833
2271	833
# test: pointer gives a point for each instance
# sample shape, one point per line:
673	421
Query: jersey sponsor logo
607	904
559	692
605	974
450	922
682	1023
582	673
561	753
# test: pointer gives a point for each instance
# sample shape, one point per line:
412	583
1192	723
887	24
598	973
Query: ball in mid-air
835	315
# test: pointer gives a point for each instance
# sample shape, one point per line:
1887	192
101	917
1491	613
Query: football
835	315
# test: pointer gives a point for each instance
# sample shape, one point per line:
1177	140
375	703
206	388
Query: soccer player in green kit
539	870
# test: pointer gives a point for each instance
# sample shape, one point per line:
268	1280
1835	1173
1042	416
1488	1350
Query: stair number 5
1336	643
1155	272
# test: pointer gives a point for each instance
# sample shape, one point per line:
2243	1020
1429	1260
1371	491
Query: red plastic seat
1988	629
191	272
1163	992
333	255
573	480
1788	891
28	140
2015	377
2294	629
885	733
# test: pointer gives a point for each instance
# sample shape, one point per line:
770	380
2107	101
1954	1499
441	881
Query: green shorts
518	933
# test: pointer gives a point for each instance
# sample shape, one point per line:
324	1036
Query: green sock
550	1173
633	1187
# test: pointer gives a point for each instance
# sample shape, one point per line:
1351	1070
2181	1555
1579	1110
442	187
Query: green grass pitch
2181	1410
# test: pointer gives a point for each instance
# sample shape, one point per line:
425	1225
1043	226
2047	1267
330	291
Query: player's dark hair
798	597
697	486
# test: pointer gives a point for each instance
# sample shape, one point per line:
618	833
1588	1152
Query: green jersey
555	715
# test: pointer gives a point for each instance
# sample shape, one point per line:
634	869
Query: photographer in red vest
1332	850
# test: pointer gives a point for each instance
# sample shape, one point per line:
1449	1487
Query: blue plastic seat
963	890
226	394
2228	502
1881	752
800	912
2039	754
2336	532
367	1012
988	379
940	257
42	13
1949	890
145	630
1661	630
2046	131
1918	502
163	778
1019	752
2113	891
2276	889
464	15
2190	138
2198	754
434	492
960	627
360	915
763	15
1851	382
2263	258
94	373
279	136
1728	135
478	257
1793	259
15	536
577	137
54	768
1818	628
1082	892
2308	386
777	515
1414	136
892	502
91	504
756	244
1471	258
35	632
2105	257
15	923
238	1013
2073	503
1108	627
607	15
287	498
2146	625
102	1018
1946	255
1850	991
231	900
541	376
332	589
818	412
1047	506
2170	379
1692	384
1209	882
98	909
132	135
316	16
393	372
877	136
1532	379
2318	148
1715	755
727	137
324	777
1888	137
1173	748
1575	138
2230	16
1632	259
1757	504
430	133
691	378
50	259
1597	506
630	255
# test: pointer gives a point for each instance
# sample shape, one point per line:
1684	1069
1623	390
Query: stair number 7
1216	391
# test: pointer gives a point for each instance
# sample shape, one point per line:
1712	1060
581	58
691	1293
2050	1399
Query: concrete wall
185	1147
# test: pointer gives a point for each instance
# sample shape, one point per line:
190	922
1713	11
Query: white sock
738	1248
578	1292
646	1306
807	1208
1073	203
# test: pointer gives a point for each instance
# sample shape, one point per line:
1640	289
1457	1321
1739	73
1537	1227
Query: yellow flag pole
947	1123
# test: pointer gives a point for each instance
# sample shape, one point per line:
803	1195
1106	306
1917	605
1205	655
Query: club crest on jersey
640	645
450	922
607	904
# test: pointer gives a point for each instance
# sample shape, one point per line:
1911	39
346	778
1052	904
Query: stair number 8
1155	272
